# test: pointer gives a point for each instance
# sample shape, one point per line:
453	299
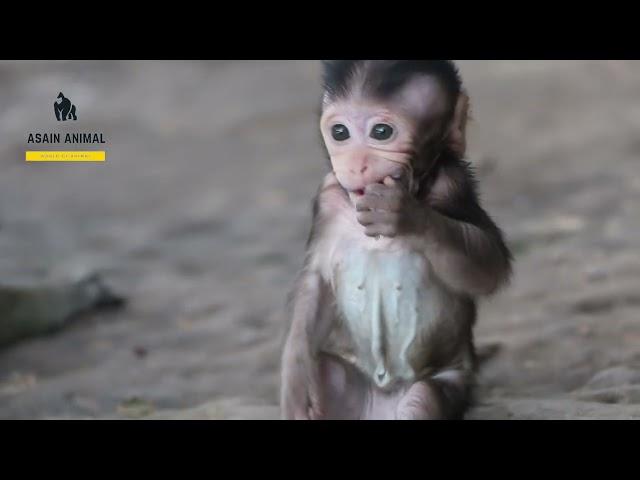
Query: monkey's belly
388	307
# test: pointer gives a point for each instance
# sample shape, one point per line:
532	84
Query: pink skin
361	160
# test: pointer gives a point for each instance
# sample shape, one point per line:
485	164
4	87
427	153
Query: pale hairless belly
386	308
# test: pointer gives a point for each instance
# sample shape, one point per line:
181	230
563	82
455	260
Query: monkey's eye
339	132
381	131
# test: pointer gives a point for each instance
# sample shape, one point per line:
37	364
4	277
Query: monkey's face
366	143
368	140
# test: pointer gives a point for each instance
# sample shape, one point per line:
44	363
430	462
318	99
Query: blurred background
199	216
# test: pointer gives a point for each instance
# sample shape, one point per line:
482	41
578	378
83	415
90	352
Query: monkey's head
390	118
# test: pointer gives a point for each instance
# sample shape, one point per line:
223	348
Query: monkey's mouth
360	191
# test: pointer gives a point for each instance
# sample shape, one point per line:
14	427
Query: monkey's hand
300	395
389	210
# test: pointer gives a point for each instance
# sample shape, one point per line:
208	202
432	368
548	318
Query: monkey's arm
463	244
300	394
311	316
467	257
305	307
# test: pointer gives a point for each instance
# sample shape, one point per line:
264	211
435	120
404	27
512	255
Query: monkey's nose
362	169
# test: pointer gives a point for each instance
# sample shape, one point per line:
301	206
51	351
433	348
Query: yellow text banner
70	156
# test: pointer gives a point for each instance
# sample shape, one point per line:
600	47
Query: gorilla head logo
64	109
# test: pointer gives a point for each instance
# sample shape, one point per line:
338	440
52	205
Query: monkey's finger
399	180
300	408
364	218
396	185
294	410
375	189
365	202
369	218
315	392
382	190
315	412
387	202
377	230
300	415
389	182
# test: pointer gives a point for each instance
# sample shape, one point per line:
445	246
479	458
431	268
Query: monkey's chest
388	306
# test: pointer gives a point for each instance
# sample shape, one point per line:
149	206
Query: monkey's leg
445	396
344	390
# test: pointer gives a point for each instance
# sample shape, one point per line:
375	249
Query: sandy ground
201	211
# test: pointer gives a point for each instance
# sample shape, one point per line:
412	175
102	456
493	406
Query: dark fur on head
383	78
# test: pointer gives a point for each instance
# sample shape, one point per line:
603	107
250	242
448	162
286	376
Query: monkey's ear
458	130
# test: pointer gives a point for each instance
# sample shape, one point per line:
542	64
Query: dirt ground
201	211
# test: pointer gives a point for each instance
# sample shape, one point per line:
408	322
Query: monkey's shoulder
453	183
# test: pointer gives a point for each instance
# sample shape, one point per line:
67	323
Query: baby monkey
400	249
